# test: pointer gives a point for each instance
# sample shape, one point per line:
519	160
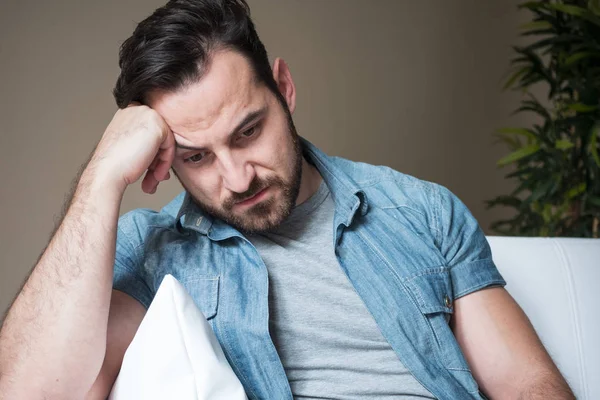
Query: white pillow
175	354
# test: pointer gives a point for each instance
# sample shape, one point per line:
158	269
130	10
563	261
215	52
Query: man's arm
53	340
124	318
56	327
505	354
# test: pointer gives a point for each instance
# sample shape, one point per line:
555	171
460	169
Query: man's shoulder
388	186
137	224
399	195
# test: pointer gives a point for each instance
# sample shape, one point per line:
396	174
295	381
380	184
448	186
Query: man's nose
236	172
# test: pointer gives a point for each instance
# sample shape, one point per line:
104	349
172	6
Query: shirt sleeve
464	246
126	272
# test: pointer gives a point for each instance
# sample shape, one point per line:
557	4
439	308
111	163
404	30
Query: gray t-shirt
328	342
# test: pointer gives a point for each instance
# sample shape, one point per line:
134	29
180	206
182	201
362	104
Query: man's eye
249	132
195	159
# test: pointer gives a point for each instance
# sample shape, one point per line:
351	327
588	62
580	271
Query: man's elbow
550	387
28	388
547	385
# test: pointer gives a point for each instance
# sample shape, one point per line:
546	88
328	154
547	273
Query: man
321	277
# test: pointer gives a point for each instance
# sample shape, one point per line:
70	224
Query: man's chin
256	222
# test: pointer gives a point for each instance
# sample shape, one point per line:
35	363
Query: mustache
257	185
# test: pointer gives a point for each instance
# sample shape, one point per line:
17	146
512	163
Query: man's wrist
95	183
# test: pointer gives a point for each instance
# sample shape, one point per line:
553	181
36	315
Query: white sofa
557	283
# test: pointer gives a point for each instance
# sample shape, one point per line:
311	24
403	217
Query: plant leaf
536	25
533	105
538	70
514	77
575	11
594	6
520	172
507	201
519	154
564	144
594	200
574	58
568	9
593	144
512	142
580	107
576	191
518	131
541	190
533	5
547	215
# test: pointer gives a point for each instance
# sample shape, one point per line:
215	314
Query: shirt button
447	301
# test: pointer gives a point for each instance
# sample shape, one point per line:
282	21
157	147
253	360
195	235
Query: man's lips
252	199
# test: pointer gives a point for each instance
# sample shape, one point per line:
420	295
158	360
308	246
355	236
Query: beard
268	214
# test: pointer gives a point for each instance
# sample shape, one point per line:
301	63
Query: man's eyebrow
251	117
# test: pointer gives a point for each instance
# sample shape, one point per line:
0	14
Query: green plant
556	161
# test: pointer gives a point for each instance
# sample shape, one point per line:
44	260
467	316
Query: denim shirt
409	247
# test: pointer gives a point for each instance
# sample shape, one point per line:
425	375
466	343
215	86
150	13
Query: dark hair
171	48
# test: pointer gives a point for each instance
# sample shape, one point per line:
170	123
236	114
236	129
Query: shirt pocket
432	291
205	293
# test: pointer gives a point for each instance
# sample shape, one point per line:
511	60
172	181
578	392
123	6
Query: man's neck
309	183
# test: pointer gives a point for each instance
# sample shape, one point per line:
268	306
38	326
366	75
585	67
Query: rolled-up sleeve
463	245
127	276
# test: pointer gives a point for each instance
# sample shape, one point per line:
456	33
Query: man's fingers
161	172
164	164
150	183
154	163
165	157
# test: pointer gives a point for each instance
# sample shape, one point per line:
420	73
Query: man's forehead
227	86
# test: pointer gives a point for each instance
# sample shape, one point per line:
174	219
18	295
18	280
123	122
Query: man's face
238	154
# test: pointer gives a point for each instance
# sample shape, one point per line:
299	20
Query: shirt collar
345	191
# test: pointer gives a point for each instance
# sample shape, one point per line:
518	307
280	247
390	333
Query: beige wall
410	84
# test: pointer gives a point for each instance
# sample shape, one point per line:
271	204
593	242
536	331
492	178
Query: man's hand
137	140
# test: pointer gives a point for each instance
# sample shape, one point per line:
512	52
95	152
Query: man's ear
285	83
